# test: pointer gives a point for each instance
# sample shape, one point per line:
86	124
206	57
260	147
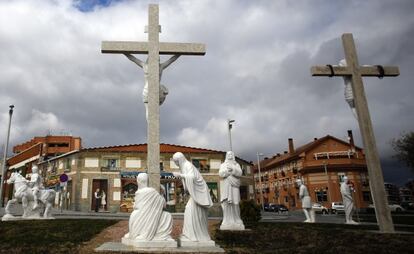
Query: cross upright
356	72
153	48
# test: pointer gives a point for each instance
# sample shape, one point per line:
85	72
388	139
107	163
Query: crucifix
152	70
352	71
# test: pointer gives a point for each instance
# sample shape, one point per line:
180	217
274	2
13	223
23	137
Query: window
161	166
110	164
366	196
201	165
321	196
341	177
213	191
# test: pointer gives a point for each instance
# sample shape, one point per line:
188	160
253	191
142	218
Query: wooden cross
356	72
153	48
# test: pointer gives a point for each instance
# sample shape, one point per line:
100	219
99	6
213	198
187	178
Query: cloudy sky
256	71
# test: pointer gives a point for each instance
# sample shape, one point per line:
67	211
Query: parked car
337	207
394	208
407	205
278	208
268	207
319	208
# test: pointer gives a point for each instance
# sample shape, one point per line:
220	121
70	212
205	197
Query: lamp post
260	179
230	125
3	170
328	182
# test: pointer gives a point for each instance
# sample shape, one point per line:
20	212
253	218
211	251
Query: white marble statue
349	95
306	202
36	182
195	226
231	172
149	225
144	66
348	201
24	193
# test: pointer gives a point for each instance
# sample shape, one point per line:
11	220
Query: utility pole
230	126
3	170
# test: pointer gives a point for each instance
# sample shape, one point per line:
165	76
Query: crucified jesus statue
144	66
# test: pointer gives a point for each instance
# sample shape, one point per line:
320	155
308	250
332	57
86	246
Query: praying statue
195	226
349	95
144	66
231	172
348	201
148	222
306	202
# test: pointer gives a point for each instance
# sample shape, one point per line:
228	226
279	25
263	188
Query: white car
394	208
319	208
337	207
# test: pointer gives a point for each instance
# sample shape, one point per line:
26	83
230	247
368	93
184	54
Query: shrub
250	213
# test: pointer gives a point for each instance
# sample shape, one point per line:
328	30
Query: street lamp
4	157
260	179
230	125
328	182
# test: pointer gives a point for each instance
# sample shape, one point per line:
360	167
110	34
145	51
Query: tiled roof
164	148
270	162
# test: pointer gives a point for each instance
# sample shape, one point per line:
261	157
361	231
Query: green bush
250	213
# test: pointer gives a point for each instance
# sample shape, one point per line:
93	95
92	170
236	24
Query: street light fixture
260	179
230	126
3	176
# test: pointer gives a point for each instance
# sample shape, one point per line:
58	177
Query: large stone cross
153	48
356	72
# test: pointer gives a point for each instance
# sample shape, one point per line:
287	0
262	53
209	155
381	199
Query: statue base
150	244
196	244
232	227
9	217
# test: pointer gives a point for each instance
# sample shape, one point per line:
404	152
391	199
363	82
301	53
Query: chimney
285	152
291	147
314	139
351	139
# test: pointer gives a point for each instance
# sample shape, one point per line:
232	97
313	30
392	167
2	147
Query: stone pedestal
149	244
232	227
188	243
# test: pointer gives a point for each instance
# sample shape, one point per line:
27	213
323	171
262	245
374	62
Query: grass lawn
48	236
314	238
67	236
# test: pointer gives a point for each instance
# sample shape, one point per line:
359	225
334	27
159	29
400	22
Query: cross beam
356	72
153	48
165	48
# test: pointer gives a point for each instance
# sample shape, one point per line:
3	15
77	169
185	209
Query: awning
134	174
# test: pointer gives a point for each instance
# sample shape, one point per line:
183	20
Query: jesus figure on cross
144	66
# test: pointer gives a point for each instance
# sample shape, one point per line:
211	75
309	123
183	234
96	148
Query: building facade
321	164
35	151
113	170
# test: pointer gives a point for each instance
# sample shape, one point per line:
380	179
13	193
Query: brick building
114	169
37	150
321	164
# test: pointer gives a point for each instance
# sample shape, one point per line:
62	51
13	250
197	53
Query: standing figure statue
348	201
195	227
231	172
144	66
306	202
148	223
36	182
349	95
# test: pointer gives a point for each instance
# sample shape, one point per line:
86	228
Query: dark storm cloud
256	71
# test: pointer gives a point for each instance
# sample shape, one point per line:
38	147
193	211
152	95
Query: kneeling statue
149	225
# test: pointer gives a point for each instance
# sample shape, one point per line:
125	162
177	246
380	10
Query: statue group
34	198
150	226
